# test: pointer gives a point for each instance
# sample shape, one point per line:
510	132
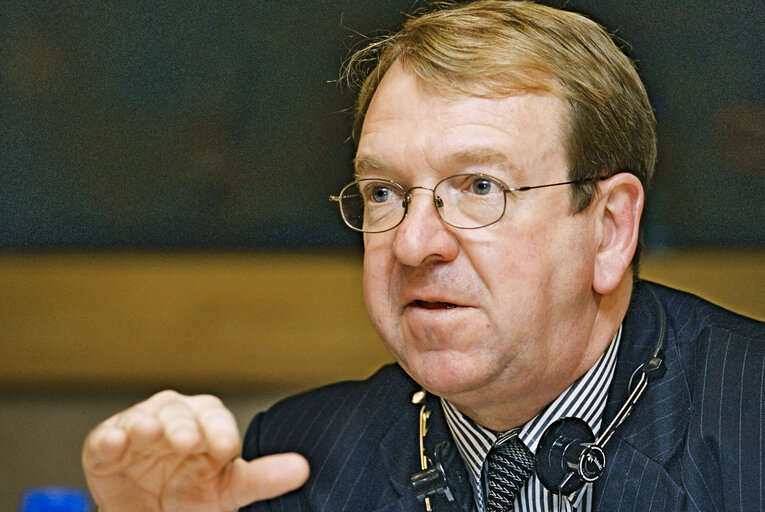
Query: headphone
568	455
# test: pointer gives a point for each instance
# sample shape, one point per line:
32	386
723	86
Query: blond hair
498	48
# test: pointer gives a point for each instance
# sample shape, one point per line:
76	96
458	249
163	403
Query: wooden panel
206	320
213	321
732	279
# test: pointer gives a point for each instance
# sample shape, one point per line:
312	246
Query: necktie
509	467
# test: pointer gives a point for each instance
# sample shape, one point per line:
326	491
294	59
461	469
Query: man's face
475	314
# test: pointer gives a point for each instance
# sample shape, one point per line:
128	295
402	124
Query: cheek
377	270
504	261
523	269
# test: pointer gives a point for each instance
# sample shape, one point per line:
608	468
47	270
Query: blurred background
164	175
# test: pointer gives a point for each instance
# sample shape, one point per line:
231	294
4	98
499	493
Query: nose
422	237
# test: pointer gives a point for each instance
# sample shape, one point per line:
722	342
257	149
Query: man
503	153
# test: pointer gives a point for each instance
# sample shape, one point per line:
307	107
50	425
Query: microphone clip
431	483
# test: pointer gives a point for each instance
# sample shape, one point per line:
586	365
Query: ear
618	209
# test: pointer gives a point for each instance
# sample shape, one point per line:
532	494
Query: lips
433	304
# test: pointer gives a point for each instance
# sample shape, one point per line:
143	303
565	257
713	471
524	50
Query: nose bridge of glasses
436	199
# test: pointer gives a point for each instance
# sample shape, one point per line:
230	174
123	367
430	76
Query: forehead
412	124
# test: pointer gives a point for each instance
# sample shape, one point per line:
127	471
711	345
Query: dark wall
220	124
702	63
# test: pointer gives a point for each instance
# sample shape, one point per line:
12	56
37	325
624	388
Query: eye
379	193
481	186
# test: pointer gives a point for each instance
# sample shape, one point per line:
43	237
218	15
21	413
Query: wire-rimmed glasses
465	201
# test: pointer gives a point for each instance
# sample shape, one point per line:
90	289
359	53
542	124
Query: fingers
102	446
178	442
218	427
178	423
263	478
168	422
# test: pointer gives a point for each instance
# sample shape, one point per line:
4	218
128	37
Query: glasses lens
372	206
352	206
470	200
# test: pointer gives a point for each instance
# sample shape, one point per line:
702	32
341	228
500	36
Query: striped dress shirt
585	399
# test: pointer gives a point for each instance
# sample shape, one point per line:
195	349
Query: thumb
263	478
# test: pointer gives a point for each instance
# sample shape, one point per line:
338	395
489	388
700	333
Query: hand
175	453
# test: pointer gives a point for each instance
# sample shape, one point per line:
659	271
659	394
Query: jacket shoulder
308	421
690	315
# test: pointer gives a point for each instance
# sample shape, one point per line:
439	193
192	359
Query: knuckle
208	402
167	394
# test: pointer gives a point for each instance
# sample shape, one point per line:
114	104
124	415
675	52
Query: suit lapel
639	333
454	467
399	458
664	404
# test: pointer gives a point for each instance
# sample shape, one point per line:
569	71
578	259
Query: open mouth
433	304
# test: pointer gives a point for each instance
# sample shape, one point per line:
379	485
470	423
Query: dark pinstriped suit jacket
694	442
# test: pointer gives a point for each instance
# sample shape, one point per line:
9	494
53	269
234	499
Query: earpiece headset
568	456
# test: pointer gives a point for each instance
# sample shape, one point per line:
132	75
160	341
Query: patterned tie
510	465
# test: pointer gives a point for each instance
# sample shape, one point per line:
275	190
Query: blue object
55	499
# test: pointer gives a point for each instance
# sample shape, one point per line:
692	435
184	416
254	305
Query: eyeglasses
465	201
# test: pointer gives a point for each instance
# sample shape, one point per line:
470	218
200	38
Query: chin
445	373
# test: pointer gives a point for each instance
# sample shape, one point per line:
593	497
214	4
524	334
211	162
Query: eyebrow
481	156
363	164
471	156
